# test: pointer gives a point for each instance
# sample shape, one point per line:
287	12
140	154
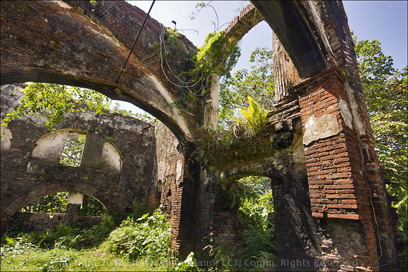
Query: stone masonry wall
25	178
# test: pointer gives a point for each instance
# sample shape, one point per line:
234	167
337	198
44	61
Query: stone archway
57	42
41	191
117	166
343	173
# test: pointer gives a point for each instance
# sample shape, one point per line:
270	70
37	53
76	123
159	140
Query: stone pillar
285	73
93	147
212	102
73	207
338	188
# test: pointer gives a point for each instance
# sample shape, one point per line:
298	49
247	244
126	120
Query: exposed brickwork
324	190
335	172
243	23
56	41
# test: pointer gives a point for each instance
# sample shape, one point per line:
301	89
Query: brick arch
41	191
300	36
57	42
266	168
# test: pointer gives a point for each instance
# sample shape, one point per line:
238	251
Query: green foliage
255	212
173	46
53	101
257	83
386	94
140	116
72	152
18	223
217	55
233	145
28	257
147	237
245	140
253	118
53	203
189	264
91	207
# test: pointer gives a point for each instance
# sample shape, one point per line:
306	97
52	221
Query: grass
35	259
129	245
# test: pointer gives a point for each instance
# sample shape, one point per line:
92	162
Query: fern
253	118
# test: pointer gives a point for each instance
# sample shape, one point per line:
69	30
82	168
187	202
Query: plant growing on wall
245	98
52	101
252	118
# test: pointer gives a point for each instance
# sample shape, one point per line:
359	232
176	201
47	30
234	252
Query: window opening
73	148
57	203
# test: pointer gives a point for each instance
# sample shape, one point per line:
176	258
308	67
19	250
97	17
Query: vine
217	56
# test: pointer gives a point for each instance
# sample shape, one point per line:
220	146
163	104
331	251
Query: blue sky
382	20
385	21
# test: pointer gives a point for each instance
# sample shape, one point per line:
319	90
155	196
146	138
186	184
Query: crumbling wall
80	44
344	186
169	168
30	166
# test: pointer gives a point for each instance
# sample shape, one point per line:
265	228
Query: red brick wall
337	185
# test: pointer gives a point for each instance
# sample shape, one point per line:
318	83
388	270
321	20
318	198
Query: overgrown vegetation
257	83
244	140
136	243
141	243
53	101
386	93
146	238
256	251
217	56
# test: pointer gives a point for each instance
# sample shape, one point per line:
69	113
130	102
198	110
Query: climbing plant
245	98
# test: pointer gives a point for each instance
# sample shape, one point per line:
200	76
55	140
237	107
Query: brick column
184	202
337	185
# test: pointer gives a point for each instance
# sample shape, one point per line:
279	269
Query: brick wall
25	178
337	185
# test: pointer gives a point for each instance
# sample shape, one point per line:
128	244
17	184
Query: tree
256	83
53	101
72	153
386	94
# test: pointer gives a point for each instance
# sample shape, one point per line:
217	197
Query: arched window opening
91	207
73	148
58	203
53	203
252	77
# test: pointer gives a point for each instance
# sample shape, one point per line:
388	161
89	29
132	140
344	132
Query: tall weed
147	237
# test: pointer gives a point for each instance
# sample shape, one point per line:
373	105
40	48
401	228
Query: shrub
147	237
